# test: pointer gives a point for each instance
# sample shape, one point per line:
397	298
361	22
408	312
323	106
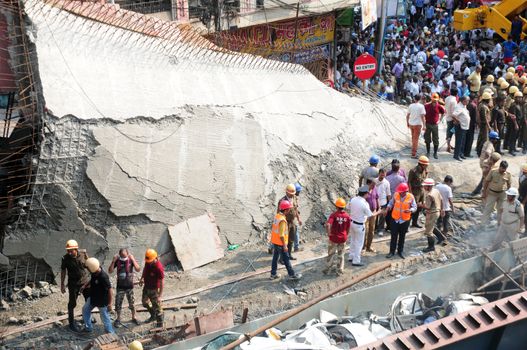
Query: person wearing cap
371	171
517	110
461	121
484	121
72	265
100	297
513	121
445	189
494	187
153	282
434	112
499	116
124	264
512	219
489	85
359	212
338	229
416	176
503	91
400	207
433	207
291	216
280	240
474	80
415	120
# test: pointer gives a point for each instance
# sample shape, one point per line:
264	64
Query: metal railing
146	7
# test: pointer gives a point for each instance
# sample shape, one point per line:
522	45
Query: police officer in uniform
416	176
494	187
512	219
78	278
433	209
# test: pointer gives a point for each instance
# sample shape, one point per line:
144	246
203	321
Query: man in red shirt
338	228
434	112
153	279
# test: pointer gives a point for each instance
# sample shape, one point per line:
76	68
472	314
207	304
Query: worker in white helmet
512	219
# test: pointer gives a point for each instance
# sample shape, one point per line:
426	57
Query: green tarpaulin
346	18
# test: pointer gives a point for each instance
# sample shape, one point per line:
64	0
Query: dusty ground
264	297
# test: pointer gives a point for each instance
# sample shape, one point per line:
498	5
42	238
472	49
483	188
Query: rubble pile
29	293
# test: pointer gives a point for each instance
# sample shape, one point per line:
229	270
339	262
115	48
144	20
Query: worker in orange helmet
152	281
338	229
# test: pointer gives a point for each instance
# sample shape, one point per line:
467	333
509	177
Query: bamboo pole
307	305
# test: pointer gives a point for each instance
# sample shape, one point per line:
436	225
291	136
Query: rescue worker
370	172
433	207
279	239
484	121
401	206
502	92
297	247
485	158
125	264
416	176
359	213
78	279
338	229
499	116
291	216
153	282
445	188
135	345
395	177
100	297
512	219
494	187
517	109
489	85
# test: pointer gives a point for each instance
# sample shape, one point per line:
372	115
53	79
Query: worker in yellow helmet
73	265
153	281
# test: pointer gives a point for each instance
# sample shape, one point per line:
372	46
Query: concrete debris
4	306
192	236
42	284
26	292
13	321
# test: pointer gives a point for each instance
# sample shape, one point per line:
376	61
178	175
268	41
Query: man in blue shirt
509	47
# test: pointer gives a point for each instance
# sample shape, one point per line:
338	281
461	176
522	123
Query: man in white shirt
461	117
359	213
415	120
445	189
450	105
385	194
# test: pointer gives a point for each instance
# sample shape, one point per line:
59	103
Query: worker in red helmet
402	205
280	240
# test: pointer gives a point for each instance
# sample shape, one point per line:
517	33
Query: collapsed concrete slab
196	241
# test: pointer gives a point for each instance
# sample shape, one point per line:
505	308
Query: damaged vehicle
410	310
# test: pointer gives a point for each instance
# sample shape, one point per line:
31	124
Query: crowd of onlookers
423	54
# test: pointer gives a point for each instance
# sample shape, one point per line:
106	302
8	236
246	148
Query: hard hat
524	168
509	76
429	182
513	90
511	70
523	79
500	80
518	94
92	264
519	67
490	78
284	205
504	85
435	96
486	96
340	203
493	135
291	189
402	187
489	91
150	255
135	345
72	244
512	191
374	159
298	188
423	160
495	156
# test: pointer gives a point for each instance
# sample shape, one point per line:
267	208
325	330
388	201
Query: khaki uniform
488	86
416	176
498	184
484	158
484	119
511	219
433	205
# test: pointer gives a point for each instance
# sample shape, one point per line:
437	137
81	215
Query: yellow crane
497	17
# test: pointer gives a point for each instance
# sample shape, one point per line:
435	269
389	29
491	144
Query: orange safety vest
275	230
399	207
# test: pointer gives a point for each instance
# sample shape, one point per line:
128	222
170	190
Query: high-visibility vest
399	207
275	230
